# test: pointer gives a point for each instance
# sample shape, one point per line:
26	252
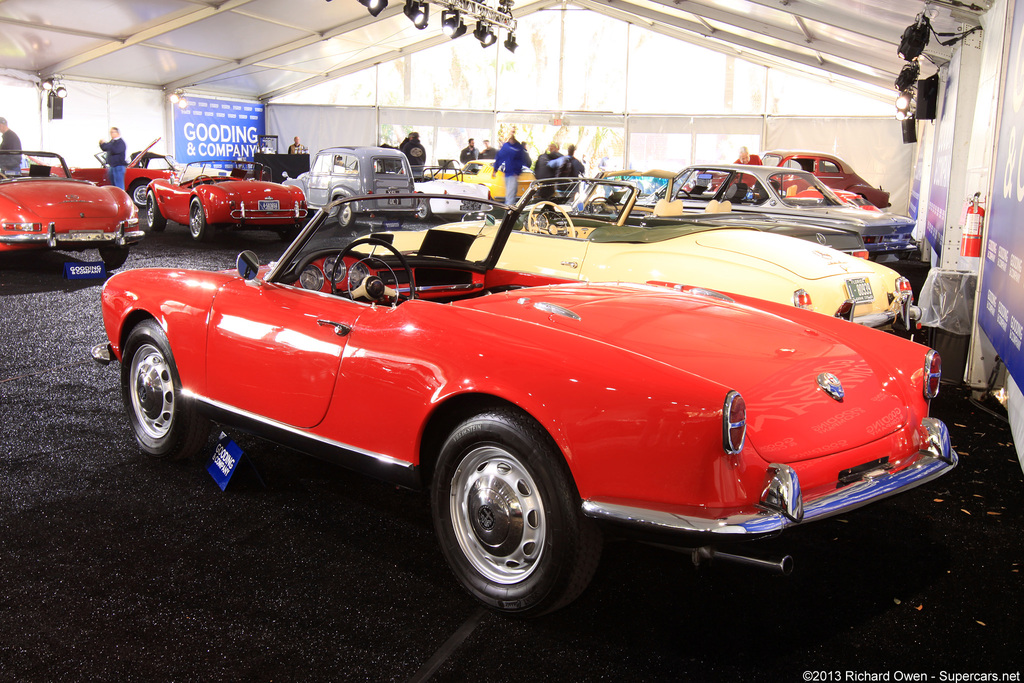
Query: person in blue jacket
510	160
116	158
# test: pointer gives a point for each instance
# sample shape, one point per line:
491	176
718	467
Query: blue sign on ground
224	461
84	271
217	129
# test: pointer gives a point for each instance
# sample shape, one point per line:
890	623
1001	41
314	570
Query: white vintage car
438	180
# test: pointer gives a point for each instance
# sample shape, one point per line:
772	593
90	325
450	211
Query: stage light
47	84
908	76
452	24
374	7
60	91
915	39
904	103
484	34
510	43
418	13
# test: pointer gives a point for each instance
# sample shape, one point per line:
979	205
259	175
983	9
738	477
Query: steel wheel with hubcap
165	423
154	218
197	225
508	516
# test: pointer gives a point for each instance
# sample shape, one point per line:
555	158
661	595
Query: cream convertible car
586	232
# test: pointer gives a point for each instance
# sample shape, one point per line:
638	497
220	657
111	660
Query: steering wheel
372	287
201	178
533	221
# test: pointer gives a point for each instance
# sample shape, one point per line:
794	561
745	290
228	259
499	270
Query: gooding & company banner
1001	309
217	129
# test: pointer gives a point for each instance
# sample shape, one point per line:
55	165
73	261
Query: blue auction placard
224	461
84	271
217	129
1001	305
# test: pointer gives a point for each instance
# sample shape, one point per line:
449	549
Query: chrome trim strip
445	288
55	238
782	498
274	424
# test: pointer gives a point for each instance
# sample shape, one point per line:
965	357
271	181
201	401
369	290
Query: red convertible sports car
144	168
42	207
223	193
537	412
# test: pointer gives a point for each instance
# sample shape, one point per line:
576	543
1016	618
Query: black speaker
54	106
927	97
909	130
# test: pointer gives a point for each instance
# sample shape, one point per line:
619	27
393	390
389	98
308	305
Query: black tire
113	257
166	423
343	213
139	191
154	218
197	225
508	517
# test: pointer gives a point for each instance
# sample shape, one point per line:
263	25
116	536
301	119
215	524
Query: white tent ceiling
267	48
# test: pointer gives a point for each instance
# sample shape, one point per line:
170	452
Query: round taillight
802	299
734	423
932	374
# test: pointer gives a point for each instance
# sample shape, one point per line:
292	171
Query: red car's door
276	351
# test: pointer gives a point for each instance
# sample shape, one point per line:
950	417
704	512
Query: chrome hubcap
498	515
195	221
152	391
140	195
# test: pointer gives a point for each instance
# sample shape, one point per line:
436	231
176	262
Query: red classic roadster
144	168
223	193
537	412
42	207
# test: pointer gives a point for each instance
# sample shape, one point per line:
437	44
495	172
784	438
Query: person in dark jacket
547	166
469	153
11	141
414	150
571	166
116	157
510	160
487	152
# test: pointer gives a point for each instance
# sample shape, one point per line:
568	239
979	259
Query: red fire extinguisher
970	243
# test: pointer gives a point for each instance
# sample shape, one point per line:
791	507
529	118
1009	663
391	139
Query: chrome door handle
571	264
340	329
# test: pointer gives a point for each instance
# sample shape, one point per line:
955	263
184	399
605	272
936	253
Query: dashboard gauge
311	278
338	277
359	272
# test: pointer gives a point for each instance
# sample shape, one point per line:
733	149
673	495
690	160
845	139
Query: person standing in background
510	160
297	147
469	153
487	152
11	141
414	150
116	157
747	158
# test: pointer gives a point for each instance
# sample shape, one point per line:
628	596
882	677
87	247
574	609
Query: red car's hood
52	199
774	362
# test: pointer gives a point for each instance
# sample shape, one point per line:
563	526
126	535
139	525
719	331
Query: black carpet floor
116	568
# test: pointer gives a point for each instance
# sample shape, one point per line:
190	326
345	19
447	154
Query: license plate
470	206
859	289
87	234
268	205
393	202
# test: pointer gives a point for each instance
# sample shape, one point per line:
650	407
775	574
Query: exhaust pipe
782	566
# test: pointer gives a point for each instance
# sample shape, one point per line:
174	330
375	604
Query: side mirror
284	174
248	265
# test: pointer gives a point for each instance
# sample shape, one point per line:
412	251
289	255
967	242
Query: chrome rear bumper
782	503
53	239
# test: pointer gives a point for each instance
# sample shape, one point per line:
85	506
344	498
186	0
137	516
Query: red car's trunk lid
773	361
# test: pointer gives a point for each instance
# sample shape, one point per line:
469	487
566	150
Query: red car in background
145	167
43	207
225	193
831	170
